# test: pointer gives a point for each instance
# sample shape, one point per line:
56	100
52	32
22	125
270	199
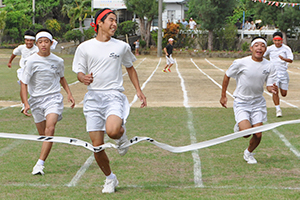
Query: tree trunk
148	33
284	37
142	27
81	30
210	40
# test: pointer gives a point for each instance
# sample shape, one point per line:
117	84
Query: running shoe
121	142
38	170
164	70
236	128
110	185
169	69
248	157
278	113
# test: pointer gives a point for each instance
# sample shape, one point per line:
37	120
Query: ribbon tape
137	139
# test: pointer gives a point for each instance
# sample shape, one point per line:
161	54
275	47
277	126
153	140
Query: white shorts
19	74
255	111
98	105
283	80
170	60
42	106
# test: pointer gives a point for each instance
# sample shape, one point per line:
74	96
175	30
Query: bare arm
66	87
286	59
86	79
24	95
135	81
165	50
223	99
273	89
11	59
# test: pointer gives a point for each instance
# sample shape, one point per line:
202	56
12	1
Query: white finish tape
137	139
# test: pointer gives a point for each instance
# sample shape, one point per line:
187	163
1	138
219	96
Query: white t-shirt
42	74
24	52
104	60
274	52
192	24
250	77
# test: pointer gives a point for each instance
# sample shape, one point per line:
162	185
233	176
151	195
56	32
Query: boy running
98	64
168	51
280	55
24	50
43	74
249	106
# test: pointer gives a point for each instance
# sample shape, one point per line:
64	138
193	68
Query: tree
146	10
2	23
284	18
212	14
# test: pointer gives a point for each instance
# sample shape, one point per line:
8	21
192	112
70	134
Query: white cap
170	39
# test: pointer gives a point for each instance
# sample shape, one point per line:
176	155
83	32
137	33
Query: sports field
183	108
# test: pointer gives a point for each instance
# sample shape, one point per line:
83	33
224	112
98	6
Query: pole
33	10
159	36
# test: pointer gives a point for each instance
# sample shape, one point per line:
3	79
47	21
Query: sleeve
18	51
27	72
267	52
79	61
128	57
289	53
62	68
233	70
272	77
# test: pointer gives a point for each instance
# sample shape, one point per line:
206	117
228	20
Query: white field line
145	83
20	184
89	161
195	154
280	135
123	74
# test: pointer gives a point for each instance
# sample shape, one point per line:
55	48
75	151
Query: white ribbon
258	40
47	35
29	37
137	139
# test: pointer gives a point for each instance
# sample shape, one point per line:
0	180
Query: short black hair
30	33
104	17
44	30
278	34
258	38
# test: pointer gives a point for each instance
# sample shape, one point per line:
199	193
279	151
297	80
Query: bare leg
114	127
256	138
47	128
276	99
101	158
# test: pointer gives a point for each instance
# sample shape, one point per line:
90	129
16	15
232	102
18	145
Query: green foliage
53	25
89	33
2	23
245	46
142	43
226	38
126	27
73	35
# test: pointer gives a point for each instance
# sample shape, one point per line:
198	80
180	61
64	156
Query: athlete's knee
258	135
113	133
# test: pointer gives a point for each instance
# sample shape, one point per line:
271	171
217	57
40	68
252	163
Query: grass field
147	172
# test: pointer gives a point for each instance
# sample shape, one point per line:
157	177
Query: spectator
184	23
192	24
238	24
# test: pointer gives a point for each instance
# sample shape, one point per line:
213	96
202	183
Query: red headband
99	18
277	38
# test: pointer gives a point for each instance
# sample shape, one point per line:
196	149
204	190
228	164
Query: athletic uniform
280	65
249	103
169	58
42	75
104	96
24	52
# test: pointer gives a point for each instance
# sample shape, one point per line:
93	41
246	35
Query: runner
98	64
168	51
280	55
250	108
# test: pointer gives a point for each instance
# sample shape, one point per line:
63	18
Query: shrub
73	35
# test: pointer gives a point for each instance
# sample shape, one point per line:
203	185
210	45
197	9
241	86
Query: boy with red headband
24	50
98	64
280	55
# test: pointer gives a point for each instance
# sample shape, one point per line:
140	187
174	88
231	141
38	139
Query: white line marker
195	154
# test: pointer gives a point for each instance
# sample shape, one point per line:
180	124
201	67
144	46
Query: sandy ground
201	82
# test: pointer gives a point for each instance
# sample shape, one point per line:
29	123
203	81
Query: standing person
249	106
192	24
168	51
42	76
238	24
98	64
24	50
184	23
280	55
137	46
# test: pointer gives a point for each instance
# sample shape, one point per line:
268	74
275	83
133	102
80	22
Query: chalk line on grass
195	153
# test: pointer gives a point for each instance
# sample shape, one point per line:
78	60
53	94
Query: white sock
247	151
277	107
111	176
40	162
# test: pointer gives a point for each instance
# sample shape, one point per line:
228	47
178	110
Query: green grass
148	172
